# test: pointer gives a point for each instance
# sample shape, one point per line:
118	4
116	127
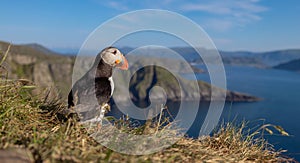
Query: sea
280	104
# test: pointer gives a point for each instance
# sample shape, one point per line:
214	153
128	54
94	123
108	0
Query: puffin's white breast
112	86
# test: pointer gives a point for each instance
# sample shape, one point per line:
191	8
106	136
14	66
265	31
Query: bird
96	86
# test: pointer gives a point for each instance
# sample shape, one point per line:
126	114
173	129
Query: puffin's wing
102	90
70	99
87	91
73	97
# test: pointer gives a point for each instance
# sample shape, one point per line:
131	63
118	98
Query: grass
35	126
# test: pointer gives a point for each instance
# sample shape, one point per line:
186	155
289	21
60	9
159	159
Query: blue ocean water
280	91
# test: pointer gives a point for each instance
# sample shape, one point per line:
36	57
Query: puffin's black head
113	57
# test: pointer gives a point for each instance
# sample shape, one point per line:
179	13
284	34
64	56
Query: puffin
96	86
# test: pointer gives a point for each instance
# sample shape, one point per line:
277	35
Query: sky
252	25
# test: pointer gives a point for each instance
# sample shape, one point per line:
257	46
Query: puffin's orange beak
122	65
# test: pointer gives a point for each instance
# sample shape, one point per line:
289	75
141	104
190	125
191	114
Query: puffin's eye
115	52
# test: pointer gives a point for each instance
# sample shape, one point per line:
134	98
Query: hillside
190	55
264	59
290	66
36	63
280	56
141	84
51	70
245	58
33	130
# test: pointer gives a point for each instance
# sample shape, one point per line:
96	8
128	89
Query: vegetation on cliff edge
34	128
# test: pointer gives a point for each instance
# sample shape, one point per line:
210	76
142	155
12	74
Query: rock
16	155
24	60
148	77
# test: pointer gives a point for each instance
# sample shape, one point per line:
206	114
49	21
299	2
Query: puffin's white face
114	57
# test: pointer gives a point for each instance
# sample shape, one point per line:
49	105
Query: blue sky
255	25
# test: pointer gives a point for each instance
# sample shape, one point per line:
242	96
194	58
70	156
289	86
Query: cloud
215	8
239	12
117	5
227	7
121	5
219	14
219	25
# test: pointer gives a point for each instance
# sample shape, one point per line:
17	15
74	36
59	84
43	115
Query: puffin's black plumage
97	82
98	85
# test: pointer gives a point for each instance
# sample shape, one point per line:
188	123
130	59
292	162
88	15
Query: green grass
37	127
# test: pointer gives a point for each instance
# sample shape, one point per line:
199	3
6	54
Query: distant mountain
274	58
48	69
244	58
192	56
258	59
261	59
290	66
40	48
33	50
